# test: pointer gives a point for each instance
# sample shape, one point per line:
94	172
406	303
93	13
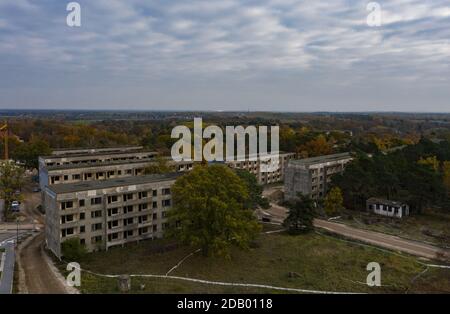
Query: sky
257	55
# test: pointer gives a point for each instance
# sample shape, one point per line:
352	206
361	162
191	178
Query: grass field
317	262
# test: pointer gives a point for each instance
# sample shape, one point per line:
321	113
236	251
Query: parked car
15	206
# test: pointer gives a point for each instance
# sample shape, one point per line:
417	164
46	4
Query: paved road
38	276
278	213
6	283
5	236
11	236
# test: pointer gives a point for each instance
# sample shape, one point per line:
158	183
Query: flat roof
321	159
113	148
99	164
104	184
377	200
131	151
109	163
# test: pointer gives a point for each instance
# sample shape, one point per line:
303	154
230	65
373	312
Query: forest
398	156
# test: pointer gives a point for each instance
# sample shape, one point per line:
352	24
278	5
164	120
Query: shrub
73	250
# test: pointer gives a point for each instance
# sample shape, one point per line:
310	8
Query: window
76	177
66	232
127	197
113	224
128	209
166	203
143	230
155	228
164	214
166	191
96	227
129	171
82	229
96	214
67	218
143	219
82	241
81	203
82	216
127	234
119	172
96	201
113	236
155	192
143	195
155	205
143	207
128	221
66	205
155	216
97	239
66	177
112	199
113	211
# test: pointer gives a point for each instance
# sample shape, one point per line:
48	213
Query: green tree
11	179
446	175
301	215
431	162
72	250
254	188
334	202
160	166
209	211
29	152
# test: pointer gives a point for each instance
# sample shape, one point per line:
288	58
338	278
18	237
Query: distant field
315	262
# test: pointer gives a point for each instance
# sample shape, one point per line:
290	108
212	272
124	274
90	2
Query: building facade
97	171
61	158
104	214
312	176
265	172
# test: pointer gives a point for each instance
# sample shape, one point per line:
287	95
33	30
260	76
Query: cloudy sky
279	55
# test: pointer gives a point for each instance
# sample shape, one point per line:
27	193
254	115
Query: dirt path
381	239
38	276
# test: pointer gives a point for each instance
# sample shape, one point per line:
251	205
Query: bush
73	250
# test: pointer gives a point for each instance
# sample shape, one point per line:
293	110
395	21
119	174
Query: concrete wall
297	180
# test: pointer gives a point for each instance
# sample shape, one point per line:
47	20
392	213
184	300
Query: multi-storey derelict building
104	198
312	176
71	166
103	214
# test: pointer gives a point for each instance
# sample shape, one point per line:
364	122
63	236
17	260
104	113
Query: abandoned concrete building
387	207
103	214
103	197
312	176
